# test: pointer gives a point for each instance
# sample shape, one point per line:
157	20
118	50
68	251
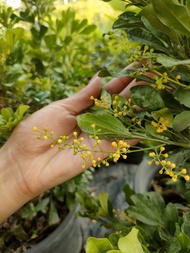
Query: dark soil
18	234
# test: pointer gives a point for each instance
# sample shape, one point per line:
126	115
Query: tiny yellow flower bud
163	162
114	144
93	126
59	141
35	128
172	165
75	134
152	154
162	149
45	137
187	177
184	171
174	178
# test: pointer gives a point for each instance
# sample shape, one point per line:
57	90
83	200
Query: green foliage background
48	51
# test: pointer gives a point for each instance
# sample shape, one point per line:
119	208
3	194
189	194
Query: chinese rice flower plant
162	124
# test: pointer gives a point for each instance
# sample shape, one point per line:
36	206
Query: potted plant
161	61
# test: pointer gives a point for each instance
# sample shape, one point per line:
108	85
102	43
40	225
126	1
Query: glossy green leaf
110	127
182	95
145	37
146	97
157	26
181	121
98	245
130	243
178	15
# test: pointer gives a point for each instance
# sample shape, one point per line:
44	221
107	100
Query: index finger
117	85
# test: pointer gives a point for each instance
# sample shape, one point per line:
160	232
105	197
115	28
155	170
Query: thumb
81	100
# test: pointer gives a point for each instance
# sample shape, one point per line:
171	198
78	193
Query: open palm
37	167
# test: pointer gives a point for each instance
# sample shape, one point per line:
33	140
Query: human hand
29	166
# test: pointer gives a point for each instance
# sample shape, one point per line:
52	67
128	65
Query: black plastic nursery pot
66	238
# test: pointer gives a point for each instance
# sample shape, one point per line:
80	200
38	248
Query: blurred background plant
48	51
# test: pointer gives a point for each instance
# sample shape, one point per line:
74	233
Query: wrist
11	196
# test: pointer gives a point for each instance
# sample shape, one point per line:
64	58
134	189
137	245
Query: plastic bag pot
66	238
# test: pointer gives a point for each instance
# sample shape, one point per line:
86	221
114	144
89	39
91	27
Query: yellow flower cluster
116	106
167	166
119	148
102	102
161	125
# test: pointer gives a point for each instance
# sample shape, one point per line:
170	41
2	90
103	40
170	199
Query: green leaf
89	29
41	206
165	113
21	111
128	20
185	227
146	97
130	243
173	245
181	121
50	40
104	73
178	15
7	113
145	37
148	208
170	62
115	251
12	36
98	245
182	95
128	193
53	215
157	26
106	125
170	218
184	241
105	209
